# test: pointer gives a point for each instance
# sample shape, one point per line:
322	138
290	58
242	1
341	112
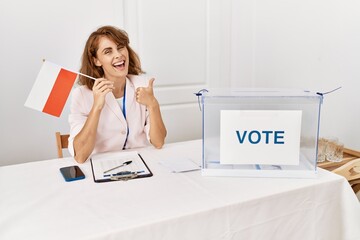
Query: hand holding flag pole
52	88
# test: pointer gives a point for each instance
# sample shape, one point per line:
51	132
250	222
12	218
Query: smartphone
72	173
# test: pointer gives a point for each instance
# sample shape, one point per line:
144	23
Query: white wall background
186	45
306	44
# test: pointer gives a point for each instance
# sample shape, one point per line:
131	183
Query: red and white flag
51	89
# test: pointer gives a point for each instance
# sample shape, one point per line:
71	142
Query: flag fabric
51	89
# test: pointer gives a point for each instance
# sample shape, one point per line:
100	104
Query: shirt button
123	132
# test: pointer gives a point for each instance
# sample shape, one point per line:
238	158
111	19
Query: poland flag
51	89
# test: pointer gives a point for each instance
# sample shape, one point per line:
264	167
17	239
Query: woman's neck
119	85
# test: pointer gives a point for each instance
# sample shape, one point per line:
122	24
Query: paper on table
105	161
177	164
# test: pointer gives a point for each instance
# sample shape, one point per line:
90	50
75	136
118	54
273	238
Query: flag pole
85	75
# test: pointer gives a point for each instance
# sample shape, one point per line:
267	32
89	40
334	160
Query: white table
36	203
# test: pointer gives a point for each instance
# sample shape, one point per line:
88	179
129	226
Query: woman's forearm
84	142
157	128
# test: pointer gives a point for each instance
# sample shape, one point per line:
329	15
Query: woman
118	110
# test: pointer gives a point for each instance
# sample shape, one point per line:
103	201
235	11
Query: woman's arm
84	141
146	97
157	127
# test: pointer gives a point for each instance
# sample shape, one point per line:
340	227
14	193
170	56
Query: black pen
123	164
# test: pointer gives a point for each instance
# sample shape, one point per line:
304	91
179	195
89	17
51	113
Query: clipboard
115	166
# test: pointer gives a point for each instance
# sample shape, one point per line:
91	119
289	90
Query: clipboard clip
124	176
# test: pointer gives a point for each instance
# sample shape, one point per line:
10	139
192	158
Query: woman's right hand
101	87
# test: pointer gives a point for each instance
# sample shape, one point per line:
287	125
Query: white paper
177	164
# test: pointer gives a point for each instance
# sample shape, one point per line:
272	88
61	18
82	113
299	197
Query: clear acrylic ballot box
260	132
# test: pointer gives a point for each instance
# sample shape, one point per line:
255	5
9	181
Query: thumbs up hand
145	95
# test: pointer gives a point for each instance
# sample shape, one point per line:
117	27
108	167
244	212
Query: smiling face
113	58
98	63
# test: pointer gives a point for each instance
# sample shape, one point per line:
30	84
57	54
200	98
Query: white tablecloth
36	203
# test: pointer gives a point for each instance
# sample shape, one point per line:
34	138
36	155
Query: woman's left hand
145	95
157	132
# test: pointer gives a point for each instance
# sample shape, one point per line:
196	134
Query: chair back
62	141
